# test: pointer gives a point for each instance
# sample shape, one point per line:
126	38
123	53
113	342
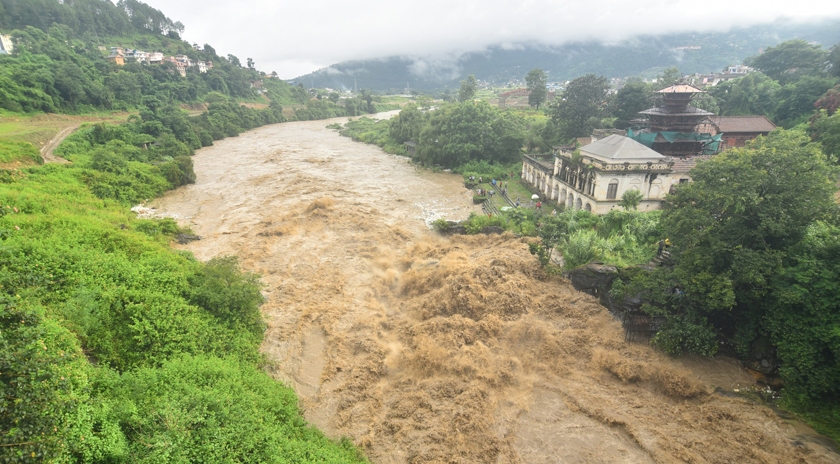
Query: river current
423	348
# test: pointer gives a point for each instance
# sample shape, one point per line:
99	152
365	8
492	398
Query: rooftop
689	111
730	124
680	88
618	148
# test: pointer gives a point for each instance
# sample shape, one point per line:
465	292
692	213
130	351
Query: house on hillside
737	130
202	66
138	55
6	46
595	178
155	58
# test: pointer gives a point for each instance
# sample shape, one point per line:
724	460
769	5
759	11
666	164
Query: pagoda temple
673	127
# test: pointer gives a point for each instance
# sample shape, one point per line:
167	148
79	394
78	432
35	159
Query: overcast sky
297	37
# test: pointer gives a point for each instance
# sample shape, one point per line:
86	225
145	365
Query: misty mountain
646	55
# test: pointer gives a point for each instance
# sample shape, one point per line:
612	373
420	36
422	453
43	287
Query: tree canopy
462	132
791	59
580	108
468	88
737	229
537	92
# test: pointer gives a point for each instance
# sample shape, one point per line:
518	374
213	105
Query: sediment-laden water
430	349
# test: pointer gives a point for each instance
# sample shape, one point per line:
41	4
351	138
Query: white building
202	66
138	55
598	175
6	46
155	57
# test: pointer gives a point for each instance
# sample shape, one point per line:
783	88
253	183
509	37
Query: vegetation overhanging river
424	348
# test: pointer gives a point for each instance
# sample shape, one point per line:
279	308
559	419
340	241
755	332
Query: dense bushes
114	348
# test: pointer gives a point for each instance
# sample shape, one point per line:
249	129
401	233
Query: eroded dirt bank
431	349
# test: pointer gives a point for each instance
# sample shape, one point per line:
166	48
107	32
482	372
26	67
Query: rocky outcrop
596	279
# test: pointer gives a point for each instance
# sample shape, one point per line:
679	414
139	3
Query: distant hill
642	55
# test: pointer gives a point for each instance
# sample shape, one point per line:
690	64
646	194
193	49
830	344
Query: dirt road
430	349
47	150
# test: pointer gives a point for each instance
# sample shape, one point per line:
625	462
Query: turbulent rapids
424	348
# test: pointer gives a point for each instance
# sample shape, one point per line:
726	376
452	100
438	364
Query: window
612	189
683	181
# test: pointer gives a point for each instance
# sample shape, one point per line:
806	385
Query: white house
155	57
202	66
6	46
596	177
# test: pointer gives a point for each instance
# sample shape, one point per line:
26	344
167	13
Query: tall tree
834	60
790	60
536	82
732	229
579	110
468	89
754	93
462	132
630	99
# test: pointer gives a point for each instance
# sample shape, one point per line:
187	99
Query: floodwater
423	348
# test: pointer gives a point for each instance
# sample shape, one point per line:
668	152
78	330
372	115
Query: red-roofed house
737	130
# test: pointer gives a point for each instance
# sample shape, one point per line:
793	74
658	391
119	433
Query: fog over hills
643	55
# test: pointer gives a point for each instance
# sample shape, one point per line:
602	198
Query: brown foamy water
430	349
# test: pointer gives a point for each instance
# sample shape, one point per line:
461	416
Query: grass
20	153
38	129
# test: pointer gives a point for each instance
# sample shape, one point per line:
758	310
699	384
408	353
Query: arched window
612	189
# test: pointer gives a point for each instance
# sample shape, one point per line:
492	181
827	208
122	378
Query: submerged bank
430	349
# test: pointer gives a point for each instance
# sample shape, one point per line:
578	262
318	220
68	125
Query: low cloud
295	38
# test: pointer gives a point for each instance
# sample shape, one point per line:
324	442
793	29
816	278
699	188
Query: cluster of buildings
652	160
119	55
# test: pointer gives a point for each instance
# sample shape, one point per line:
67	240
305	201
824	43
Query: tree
250	62
830	101
796	100
630	99
468	89
825	130
458	133
579	109
790	60
536	82
732	229
834	60
630	199
234	61
752	94
669	77
407	125
549	231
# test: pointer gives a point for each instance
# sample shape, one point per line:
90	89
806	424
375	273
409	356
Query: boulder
593	278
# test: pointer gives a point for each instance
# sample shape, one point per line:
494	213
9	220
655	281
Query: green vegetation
19	152
754	264
114	347
117	349
535	82
468	88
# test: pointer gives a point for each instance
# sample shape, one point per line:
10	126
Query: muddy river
422	348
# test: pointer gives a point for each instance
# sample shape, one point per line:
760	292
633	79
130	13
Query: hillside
642	55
